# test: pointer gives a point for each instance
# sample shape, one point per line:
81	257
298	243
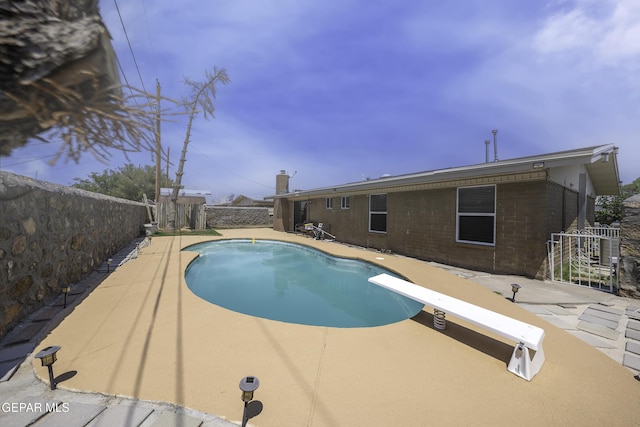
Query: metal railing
586	257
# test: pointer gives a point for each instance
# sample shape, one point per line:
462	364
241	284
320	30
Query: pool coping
347	315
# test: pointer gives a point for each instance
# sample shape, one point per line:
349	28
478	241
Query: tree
202	96
127	182
59	82
609	208
629	190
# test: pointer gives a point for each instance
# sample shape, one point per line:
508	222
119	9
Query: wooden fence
188	215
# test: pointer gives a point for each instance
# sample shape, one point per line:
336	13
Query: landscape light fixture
65	290
514	288
48	357
251	407
109	261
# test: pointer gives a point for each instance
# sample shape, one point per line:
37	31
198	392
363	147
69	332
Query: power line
127	82
229	170
32	159
130	47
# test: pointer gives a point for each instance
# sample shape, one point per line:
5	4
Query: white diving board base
526	337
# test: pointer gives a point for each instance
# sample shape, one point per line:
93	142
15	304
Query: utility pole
168	157
158	144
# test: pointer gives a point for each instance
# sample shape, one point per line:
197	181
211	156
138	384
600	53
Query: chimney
486	150
282	182
495	144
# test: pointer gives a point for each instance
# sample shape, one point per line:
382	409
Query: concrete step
11	357
70	414
121	415
633	313
23	333
631	361
45	314
33	409
633	324
13	352
633	334
606	309
599	330
171	419
603	314
633	346
586	317
556	309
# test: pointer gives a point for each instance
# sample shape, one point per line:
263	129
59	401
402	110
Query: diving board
526	337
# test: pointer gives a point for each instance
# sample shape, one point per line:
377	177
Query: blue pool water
293	283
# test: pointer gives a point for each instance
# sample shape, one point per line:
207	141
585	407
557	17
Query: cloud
341	90
599	34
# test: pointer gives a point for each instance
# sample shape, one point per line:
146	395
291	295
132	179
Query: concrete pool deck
142	333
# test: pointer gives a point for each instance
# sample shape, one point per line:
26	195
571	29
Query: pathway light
252	407
514	288
65	290
48	357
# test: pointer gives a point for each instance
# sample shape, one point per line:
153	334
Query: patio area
142	333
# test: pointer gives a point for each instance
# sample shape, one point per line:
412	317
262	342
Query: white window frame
476	214
328	203
345	202
371	212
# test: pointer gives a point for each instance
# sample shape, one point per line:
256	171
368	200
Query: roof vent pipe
495	144
486	150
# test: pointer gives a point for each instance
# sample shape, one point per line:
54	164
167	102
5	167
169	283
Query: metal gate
587	257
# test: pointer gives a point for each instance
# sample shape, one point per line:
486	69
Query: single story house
494	216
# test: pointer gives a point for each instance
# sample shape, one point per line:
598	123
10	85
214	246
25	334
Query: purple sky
336	91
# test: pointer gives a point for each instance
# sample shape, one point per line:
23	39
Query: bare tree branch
202	95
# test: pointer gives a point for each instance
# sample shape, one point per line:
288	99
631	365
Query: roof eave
589	155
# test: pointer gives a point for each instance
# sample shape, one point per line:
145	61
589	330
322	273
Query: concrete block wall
229	217
51	235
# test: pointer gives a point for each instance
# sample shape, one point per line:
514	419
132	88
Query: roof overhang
600	162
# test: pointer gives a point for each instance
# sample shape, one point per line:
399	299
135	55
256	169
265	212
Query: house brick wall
422	224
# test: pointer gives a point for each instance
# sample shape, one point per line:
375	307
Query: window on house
329	203
378	213
476	216
344	202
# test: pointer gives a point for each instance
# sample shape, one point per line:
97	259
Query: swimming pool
293	283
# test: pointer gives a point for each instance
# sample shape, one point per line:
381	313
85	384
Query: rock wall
630	248
51	235
230	217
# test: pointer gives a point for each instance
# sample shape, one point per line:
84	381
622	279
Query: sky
334	92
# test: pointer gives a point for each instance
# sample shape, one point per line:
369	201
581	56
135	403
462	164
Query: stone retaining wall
630	248
229	217
52	235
